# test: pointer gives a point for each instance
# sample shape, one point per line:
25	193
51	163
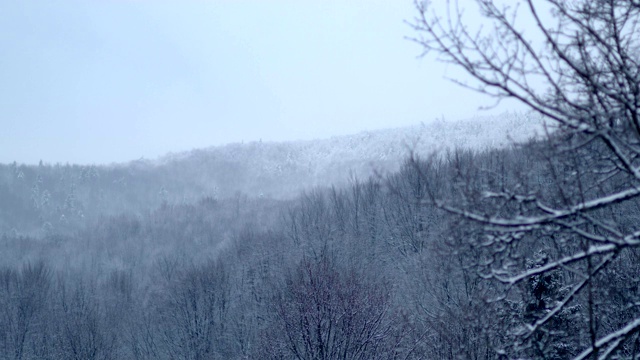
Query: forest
529	251
370	270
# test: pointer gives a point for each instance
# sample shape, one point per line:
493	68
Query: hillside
283	169
56	197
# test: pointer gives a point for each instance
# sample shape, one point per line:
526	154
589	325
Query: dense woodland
371	270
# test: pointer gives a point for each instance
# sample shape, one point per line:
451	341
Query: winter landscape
510	234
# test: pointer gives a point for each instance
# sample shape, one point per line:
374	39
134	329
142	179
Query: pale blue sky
98	81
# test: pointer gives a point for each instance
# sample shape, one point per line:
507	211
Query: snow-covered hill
284	168
31	196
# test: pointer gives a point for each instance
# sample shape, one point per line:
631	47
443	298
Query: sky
105	81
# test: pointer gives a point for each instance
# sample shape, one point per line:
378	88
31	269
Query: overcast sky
102	81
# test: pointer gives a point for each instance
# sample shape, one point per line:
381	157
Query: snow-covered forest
513	237
369	266
368	269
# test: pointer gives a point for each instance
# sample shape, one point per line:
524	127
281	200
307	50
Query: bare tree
80	320
325	313
577	63
192	313
23	300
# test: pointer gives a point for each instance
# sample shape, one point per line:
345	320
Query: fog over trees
365	247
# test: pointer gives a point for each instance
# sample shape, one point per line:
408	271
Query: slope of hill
283	169
45	197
